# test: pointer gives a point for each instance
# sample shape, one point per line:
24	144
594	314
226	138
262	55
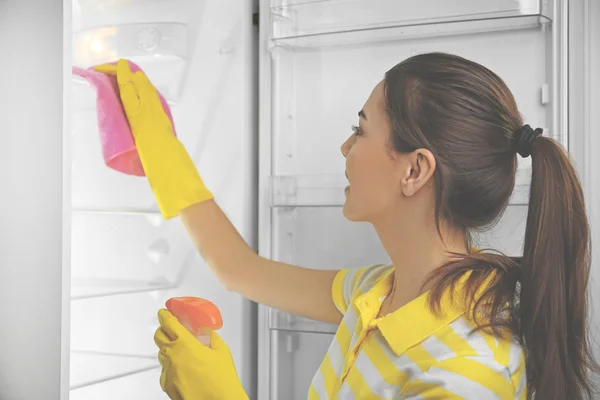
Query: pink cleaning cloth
116	140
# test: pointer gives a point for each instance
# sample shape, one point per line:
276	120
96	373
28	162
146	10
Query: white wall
31	208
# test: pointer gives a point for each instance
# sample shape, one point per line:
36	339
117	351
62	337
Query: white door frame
584	130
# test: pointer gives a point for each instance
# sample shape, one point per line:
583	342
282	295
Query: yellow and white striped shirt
411	353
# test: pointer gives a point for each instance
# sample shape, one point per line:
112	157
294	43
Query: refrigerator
263	93
126	260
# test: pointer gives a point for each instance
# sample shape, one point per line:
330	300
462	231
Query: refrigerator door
126	260
319	60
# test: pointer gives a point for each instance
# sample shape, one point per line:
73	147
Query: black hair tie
525	137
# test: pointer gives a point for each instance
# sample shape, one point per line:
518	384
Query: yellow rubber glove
192	371
171	172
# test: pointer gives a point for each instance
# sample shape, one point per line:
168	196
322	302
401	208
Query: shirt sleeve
350	283
464	378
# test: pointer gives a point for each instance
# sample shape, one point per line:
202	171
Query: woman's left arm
191	370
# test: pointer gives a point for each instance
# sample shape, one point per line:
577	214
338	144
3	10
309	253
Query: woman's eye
356	130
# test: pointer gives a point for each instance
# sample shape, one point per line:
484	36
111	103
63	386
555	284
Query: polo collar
411	323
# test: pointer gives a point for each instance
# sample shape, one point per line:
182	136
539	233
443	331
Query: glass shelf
335	22
153	216
327	190
143	384
89	368
82	288
119	326
116	254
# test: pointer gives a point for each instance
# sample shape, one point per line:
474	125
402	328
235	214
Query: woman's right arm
179	190
300	291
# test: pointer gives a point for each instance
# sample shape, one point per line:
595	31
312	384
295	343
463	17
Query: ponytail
555	272
540	298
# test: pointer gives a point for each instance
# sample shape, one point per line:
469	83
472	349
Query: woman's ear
418	171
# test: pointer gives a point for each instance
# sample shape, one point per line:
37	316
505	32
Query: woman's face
373	169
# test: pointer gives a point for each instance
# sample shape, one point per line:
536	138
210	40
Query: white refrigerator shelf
126	251
82	289
153	216
89	287
335	22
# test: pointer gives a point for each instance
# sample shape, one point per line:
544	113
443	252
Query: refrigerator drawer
308	23
295	357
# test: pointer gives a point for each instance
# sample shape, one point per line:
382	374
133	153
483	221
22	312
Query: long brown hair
468	118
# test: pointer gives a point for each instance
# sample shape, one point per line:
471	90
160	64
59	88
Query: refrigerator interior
126	260
319	61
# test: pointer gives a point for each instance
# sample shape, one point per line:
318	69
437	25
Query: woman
432	159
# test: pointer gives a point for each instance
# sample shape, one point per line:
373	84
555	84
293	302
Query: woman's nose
346	146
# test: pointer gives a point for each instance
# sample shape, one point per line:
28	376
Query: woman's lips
347	189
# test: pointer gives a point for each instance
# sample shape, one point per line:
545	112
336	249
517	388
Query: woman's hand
171	172
192	371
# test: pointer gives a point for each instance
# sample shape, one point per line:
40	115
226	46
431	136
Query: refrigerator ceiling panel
155	34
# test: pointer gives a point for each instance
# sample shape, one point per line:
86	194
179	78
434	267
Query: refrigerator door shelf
322	238
315	97
308	190
328	190
335	22
279	320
